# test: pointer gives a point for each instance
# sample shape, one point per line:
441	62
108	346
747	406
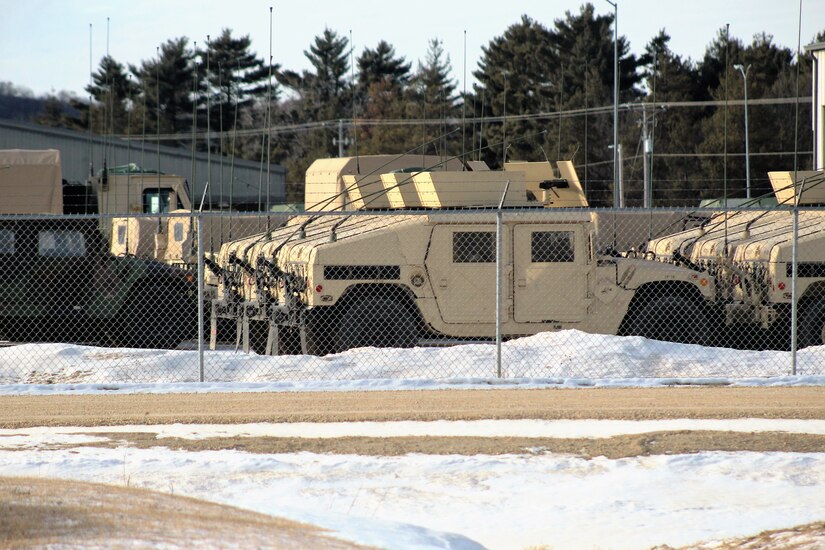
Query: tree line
540	92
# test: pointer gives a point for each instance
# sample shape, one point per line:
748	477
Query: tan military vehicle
329	281
750	254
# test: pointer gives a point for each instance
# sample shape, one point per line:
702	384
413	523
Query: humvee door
549	273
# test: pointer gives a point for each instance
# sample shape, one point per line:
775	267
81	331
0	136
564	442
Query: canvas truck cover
30	182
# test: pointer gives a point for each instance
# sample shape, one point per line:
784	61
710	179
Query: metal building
817	52
249	188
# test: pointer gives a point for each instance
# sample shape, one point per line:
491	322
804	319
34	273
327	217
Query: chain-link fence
446	294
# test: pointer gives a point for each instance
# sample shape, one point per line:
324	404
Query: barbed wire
454	121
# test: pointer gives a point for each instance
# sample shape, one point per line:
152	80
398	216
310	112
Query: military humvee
326	282
750	254
59	284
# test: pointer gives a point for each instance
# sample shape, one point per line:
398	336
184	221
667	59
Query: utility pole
647	154
617	195
744	72
340	140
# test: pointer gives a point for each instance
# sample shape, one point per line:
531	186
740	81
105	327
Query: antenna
725	155
354	119
561	101
481	124
269	121
725	150
232	165
464	103
157	128
128	159
91	162
796	111
194	132
504	124
208	120
586	91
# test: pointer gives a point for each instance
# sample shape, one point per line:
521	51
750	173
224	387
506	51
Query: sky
45	44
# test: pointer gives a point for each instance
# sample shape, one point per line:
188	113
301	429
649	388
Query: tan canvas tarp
30	182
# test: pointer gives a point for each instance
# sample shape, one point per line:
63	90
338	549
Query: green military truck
58	283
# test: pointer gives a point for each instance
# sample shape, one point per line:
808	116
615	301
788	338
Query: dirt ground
46	513
234	408
44	502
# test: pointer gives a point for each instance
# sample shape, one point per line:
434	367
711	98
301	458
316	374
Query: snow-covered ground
462	502
568	358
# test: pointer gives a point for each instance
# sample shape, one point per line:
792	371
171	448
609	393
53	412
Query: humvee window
61	244
178	230
121	234
551	246
7	241
156	201
474	247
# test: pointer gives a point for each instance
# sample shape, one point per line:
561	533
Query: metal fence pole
499	255
498	293
794	309
200	295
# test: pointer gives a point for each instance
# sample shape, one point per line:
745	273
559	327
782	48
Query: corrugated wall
250	178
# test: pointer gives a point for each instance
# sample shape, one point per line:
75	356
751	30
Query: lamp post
616	193
744	71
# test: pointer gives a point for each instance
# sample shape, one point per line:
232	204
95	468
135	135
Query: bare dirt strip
232	408
48	513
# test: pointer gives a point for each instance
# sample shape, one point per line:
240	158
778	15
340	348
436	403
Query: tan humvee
328	281
751	254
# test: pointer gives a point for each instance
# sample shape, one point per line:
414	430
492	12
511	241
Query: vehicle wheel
812	325
258	332
289	341
155	317
377	322
671	319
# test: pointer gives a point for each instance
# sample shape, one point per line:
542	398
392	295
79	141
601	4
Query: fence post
499	278
794	308
200	295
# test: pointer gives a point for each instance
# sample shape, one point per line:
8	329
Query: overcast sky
44	44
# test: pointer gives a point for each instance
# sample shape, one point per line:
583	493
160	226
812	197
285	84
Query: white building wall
818	111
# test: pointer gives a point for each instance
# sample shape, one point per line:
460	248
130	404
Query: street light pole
616	194
744	71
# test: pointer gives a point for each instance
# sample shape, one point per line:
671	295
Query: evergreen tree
515	77
380	65
432	95
166	85
583	79
320	94
235	75
670	78
111	91
382	78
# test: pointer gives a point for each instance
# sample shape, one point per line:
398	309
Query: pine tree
322	94
234	75
515	77
111	91
166	85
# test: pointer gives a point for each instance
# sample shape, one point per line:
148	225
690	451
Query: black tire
289	341
156	317
812	325
315	336
258	332
378	322
671	319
